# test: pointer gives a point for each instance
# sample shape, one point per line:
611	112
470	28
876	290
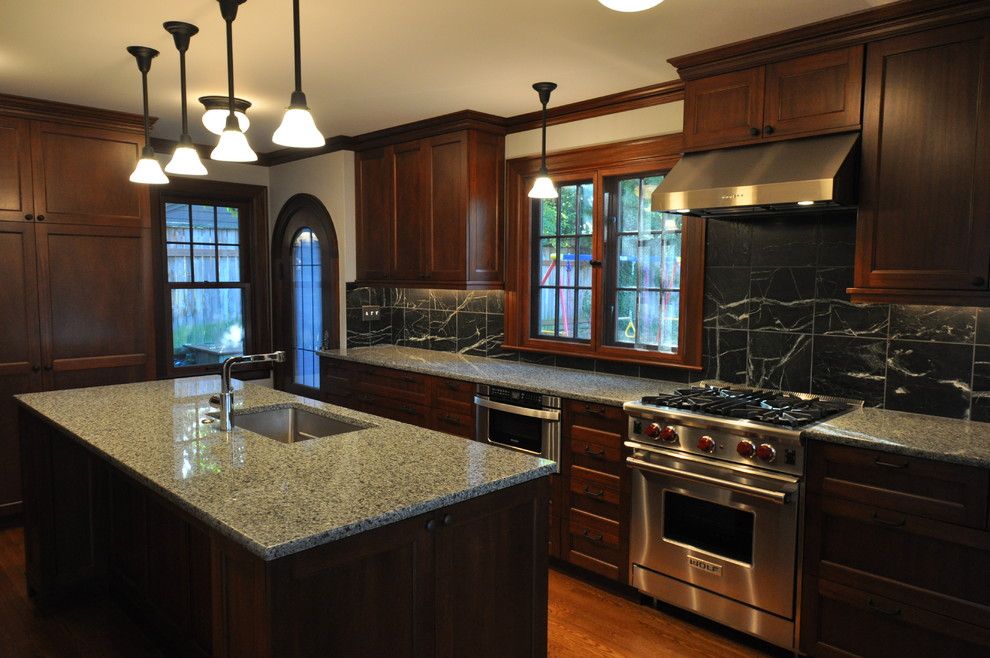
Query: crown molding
38	109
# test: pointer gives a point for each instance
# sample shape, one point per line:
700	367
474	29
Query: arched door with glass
307	308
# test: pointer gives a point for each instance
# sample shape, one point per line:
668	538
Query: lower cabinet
897	556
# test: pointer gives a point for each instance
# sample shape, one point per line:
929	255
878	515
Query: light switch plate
369	313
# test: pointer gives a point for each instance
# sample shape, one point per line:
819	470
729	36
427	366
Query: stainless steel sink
292	424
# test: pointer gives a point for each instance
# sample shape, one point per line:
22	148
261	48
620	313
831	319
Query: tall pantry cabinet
76	291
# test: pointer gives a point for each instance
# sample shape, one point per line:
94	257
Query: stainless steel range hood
775	177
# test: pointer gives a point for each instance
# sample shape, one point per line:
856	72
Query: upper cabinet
924	214
15	170
808	95
428	212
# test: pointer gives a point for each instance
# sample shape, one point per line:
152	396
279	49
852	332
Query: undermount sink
292	424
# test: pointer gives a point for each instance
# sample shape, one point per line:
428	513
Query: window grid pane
307	304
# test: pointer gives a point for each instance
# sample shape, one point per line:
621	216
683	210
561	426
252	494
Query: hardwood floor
585	622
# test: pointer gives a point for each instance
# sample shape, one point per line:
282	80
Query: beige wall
228	172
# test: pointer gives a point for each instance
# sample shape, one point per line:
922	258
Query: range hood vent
763	179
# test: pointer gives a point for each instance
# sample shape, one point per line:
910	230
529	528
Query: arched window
307	307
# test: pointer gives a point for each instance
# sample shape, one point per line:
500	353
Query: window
307	304
599	274
213	301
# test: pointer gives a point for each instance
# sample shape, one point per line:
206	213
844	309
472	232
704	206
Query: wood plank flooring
585	622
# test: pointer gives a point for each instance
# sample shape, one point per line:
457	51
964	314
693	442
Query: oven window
708	526
516	431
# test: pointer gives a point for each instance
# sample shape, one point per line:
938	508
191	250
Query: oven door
729	529
533	431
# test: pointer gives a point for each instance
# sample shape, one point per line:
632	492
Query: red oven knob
668	434
745	448
766	453
706	444
652	430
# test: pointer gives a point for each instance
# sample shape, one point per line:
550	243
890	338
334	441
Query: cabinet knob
48	368
979	282
35	368
41	218
754	132
431	525
29	217
448	519
768	130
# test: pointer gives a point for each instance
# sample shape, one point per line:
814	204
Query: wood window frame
597	163
254	268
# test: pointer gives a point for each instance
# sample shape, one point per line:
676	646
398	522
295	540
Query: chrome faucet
226	397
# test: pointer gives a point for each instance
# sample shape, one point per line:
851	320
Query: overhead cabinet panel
15	170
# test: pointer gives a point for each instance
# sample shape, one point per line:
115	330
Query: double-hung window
598	273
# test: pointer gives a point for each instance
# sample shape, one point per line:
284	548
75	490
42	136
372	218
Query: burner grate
765	406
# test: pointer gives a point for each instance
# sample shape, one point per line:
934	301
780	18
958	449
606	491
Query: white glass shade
185	162
233	147
298	130
630	5
149	172
215	119
543	189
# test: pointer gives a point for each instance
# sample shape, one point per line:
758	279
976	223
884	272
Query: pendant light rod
228	10
296	44
181	33
144	55
544	89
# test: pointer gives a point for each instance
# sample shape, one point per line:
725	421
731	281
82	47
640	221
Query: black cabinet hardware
768	130
29	217
591	536
887	464
754	132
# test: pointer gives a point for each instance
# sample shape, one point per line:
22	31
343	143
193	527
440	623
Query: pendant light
147	170
217	109
233	145
185	159
630	5
298	130
543	187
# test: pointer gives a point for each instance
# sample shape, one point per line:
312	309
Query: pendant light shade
217	109
185	159
298	129
543	187
147	171
630	5
233	145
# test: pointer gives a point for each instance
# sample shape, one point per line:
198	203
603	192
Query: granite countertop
932	437
562	382
273	498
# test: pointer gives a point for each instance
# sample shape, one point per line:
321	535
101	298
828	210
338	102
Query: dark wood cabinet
16	198
428	212
897	552
924	214
808	95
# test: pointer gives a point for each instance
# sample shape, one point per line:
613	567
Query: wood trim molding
281	156
589	157
43	110
463	120
633	99
848	30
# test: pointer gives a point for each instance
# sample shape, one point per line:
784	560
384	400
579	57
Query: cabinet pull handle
890	612
450	419
594	494
768	130
407	409
592	536
35	368
49	368
41	218
451	385
754	132
979	282
448	519
29	217
594	453
431	525
886	464
894	523
593	410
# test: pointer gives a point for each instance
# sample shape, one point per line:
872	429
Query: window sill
620	355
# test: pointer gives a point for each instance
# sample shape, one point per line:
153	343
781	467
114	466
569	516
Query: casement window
598	273
211	293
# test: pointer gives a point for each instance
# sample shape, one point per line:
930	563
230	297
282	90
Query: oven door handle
779	497
518	411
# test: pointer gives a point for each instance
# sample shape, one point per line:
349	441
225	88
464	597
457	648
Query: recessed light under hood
794	175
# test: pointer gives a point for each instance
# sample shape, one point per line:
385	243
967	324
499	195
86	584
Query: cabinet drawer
593	544
596	450
921	487
453	395
595	492
407	412
454	423
940	567
599	416
394	384
845	621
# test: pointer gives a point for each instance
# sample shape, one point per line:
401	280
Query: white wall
618	127
330	178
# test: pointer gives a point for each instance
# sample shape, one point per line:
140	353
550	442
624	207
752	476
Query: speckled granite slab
574	384
943	439
273	498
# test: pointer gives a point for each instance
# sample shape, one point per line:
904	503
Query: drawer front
453	395
845	621
595	492
595	449
406	412
921	487
450	422
383	385
933	565
593	544
600	416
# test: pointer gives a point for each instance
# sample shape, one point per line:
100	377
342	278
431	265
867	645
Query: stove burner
772	407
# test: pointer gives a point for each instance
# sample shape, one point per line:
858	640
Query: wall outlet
369	313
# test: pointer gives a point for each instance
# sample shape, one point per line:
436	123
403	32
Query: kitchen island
385	540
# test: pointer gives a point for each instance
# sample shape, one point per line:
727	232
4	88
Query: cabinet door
15	170
374	214
813	94
486	174
724	109
81	176
20	355
412	210
96	305
446	223
924	214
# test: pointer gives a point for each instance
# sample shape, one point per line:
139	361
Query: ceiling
372	64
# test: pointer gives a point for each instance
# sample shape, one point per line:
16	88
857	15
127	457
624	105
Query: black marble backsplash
776	315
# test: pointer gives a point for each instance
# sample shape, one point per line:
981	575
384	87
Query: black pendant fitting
143	55
544	89
181	32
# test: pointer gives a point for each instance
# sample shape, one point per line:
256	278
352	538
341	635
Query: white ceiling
371	64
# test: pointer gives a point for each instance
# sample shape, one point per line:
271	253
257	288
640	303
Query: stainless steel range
717	485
